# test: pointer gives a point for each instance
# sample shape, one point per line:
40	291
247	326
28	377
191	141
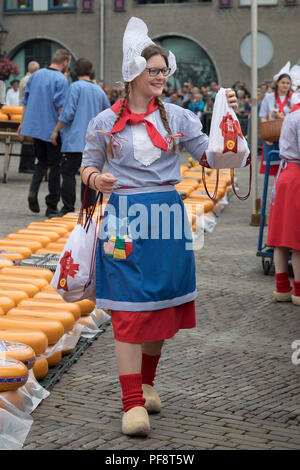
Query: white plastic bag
74	274
227	147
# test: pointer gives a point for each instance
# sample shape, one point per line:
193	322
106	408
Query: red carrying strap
213	197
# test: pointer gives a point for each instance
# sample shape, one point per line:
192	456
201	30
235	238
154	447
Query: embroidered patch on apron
118	248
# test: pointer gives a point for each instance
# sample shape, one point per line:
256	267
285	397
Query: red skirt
155	325
284	217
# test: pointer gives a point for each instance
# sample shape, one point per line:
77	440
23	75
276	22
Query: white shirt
12	97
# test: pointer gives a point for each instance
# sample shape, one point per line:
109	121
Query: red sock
297	288
149	364
282	282
131	385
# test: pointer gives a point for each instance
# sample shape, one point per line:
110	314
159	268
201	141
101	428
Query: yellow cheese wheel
69	224
53	329
54	304
62	231
30	289
22	250
4	263
47	294
35	280
1	311
55	246
31	244
66	318
54	359
40	368
16	117
10	255
29	271
21	236
63	240
86	306
48	251
3	117
12	109
13	374
19	351
36	339
13	293
52	236
6	303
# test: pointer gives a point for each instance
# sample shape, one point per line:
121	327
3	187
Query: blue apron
144	258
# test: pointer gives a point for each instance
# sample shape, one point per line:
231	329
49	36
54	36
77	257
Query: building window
62	4
290	2
265	50
16	5
247	3
119	5
87	5
225	3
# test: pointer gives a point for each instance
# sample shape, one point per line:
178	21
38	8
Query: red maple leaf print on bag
68	268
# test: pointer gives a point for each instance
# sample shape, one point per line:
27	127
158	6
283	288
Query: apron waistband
147	189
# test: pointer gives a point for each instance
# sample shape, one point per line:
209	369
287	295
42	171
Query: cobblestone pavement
228	384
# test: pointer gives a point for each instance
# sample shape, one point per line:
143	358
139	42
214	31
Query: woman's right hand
104	182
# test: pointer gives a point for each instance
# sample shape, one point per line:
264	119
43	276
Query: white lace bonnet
135	40
285	70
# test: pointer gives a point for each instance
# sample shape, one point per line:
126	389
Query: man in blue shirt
85	99
44	97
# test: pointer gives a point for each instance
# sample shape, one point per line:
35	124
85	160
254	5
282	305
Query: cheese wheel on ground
54	304
13	293
35	280
3	117
22	250
53	236
63	240
30	289
44	294
29	271
66	318
6	303
4	263
40	368
21	236
54	359
13	374
56	246
48	251
70	224
19	351
86	306
10	255
53	329
62	231
36	339
31	244
1	311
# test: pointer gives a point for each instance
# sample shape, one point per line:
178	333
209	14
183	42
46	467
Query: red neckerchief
282	104
132	118
295	108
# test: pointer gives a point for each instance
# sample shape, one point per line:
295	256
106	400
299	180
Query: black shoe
33	202
52	213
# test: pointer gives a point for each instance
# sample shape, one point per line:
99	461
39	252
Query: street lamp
3	35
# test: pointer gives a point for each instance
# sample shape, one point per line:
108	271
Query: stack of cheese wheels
6	303
51	236
3	117
86	306
40	368
37	281
29	271
60	230
13	374
24	251
30	289
37	340
42	239
11	255
13	293
53	359
53	329
66	318
1	311
30	244
19	351
39	301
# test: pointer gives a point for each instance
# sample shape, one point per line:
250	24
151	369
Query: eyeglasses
153	72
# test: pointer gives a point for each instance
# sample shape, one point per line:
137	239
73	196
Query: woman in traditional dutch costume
275	105
145	271
284	219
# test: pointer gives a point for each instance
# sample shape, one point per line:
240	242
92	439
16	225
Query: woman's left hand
231	98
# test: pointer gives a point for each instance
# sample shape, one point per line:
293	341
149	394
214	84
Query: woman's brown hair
148	52
284	75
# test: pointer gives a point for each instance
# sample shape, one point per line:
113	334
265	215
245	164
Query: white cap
135	40
295	76
284	70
